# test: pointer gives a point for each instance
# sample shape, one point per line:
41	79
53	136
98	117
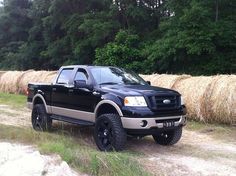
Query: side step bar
72	120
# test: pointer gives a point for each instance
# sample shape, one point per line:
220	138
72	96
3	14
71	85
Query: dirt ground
197	153
17	159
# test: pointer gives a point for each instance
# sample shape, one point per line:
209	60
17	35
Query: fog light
143	123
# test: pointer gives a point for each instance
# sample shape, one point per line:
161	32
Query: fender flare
108	102
48	110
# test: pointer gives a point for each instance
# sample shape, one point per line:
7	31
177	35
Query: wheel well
106	109
38	101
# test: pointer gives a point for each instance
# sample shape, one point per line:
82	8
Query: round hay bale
146	77
21	84
193	91
49	78
34	76
164	80
220	100
9	81
154	79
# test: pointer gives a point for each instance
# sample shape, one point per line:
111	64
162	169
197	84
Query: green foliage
125	52
187	36
16	101
191	42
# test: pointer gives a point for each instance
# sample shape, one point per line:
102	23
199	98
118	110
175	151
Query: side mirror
149	82
81	84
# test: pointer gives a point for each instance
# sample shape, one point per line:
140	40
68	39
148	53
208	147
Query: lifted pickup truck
116	101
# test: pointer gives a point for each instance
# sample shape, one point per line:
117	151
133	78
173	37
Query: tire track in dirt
195	154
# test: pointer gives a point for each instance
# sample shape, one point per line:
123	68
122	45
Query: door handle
54	89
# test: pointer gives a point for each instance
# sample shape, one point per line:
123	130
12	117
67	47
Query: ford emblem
166	101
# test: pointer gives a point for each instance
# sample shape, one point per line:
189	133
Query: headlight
135	101
182	100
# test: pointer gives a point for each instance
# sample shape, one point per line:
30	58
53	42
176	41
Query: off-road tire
41	121
168	137
109	133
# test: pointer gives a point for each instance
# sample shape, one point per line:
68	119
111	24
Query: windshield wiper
111	83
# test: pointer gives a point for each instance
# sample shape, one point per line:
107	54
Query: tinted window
81	75
64	76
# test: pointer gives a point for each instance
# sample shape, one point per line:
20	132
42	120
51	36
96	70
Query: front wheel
109	133
40	119
168	137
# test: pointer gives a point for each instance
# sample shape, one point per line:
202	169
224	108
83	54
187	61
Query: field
74	145
212	146
208	98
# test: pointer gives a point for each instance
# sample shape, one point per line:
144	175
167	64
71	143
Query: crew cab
117	102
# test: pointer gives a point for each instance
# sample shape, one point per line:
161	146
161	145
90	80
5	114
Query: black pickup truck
116	101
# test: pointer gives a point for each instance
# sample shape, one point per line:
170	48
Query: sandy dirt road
198	153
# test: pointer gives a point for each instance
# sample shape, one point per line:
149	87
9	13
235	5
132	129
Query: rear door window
81	75
65	76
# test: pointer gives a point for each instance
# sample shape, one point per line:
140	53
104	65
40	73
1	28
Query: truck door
60	90
82	99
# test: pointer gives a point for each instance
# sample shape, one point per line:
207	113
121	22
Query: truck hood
136	90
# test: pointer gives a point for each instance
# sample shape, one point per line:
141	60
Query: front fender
113	100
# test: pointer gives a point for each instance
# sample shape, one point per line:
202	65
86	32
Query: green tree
185	36
192	40
14	26
125	52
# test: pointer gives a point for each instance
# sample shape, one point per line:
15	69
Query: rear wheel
168	137
109	133
40	119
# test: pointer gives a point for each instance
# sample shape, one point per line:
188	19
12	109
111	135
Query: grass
218	131
72	148
13	100
76	152
83	155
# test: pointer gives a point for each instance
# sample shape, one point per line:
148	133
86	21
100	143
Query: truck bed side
40	89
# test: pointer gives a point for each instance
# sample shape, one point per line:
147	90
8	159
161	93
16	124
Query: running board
72	120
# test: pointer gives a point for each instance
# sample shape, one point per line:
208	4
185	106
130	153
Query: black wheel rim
37	120
105	135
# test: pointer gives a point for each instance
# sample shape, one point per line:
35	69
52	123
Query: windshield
112	75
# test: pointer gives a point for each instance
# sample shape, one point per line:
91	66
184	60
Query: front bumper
156	122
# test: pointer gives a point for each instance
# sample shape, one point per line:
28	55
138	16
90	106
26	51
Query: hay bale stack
208	98
50	76
34	76
9	81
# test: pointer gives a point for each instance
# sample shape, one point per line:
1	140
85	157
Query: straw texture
207	98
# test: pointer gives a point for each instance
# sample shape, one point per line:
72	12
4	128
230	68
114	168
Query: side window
64	76
81	75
